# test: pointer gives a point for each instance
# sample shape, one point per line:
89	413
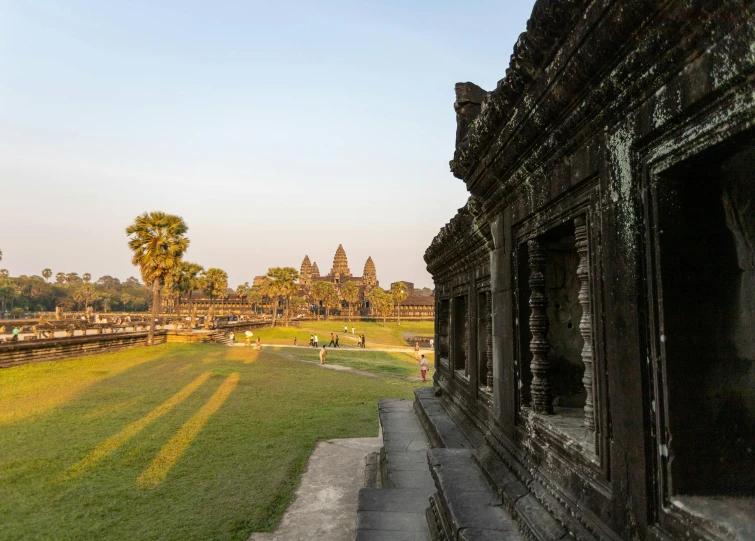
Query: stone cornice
550	22
461	243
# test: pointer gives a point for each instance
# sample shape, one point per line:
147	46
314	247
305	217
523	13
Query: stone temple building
595	297
415	306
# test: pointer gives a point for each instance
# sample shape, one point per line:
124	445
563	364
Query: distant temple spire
305	275
315	271
370	274
340	264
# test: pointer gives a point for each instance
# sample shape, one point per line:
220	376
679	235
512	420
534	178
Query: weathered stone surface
619	147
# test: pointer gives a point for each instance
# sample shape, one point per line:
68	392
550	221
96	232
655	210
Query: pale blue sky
276	129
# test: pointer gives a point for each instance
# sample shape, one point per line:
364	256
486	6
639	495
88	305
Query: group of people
314	341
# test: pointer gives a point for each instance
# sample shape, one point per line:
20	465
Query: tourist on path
316	345
294	340
337	342
352	330
332	340
423	369
345	330
416	351
259	344
311	341
432	343
363	342
232	338
323	354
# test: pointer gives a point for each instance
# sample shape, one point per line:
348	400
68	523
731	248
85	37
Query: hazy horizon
275	131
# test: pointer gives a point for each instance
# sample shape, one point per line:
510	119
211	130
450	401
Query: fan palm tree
158	241
399	292
185	279
86	277
214	283
283	284
350	293
46	273
60	278
382	302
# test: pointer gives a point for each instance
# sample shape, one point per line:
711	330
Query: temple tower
340	268
305	275
315	271
369	276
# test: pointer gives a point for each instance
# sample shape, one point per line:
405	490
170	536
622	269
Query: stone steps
465	506
396	512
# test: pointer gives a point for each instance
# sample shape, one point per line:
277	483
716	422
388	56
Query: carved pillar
542	398
489	338
585	324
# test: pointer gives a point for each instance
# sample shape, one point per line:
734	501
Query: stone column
542	397
585	324
489	339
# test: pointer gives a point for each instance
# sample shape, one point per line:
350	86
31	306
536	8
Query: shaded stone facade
595	296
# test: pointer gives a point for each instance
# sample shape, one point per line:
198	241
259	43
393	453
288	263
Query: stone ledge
465	500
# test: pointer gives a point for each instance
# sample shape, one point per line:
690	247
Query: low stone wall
188	336
18	353
53	349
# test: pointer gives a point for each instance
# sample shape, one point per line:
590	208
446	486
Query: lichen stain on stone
620	189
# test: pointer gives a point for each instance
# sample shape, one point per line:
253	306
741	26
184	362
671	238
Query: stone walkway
325	504
396	512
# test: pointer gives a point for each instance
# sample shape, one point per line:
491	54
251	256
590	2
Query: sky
275	129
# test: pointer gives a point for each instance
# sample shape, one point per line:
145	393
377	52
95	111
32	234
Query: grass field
178	441
376	336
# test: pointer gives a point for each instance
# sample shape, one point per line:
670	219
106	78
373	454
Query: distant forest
70	291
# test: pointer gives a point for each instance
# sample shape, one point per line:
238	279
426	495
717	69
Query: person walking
332	340
311	341
423	369
337	342
416	351
323	354
345	330
232	338
363	342
432	343
259	344
294	340
352	330
316	345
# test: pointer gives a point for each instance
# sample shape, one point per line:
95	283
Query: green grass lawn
178	441
375	334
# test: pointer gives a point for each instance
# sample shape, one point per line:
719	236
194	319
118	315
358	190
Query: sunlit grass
376	335
111	444
226	464
171	452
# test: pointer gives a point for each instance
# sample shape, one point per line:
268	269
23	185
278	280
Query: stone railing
17	353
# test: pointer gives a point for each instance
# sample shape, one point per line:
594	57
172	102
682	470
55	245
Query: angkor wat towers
369	276
305	274
340	271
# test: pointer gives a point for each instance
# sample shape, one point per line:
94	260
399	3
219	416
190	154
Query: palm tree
60	278
214	283
185	279
331	298
382	302
320	290
158	241
46	273
399	292
283	284
86	277
254	296
350	293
